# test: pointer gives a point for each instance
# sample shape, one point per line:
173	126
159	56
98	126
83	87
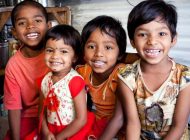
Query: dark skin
115	123
27	24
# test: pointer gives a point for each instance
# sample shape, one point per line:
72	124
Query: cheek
87	55
46	58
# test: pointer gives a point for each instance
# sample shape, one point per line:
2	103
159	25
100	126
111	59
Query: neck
28	52
162	67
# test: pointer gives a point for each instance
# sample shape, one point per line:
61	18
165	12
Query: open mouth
153	52
32	35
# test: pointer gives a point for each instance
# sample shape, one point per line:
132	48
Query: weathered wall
84	10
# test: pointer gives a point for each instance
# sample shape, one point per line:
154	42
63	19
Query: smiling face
153	41
30	26
101	52
59	57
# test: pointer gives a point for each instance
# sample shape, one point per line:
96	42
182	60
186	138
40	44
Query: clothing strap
45	103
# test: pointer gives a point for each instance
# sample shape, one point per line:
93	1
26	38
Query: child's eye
48	50
38	20
64	51
21	23
142	35
108	47
162	34
90	46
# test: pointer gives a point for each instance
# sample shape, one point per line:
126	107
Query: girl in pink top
21	97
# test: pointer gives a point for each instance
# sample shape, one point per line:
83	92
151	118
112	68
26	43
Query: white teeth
153	52
99	63
55	63
32	35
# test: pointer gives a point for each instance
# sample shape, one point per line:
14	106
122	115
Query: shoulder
183	73
129	69
13	63
129	74
76	84
82	67
83	70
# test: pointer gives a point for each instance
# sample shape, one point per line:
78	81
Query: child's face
59	57
30	26
101	52
153	41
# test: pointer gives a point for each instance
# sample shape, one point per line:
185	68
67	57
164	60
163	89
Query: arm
12	102
44	128
181	115
130	112
80	119
14	123
115	123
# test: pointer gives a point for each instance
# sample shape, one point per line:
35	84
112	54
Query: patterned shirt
59	97
156	108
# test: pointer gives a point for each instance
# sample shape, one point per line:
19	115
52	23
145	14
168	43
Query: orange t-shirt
103	96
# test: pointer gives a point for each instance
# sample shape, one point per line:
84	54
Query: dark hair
147	11
69	35
27	3
108	25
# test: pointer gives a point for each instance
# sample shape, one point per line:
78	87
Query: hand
92	137
50	136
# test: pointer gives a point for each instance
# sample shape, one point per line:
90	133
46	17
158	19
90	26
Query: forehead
28	10
154	24
100	35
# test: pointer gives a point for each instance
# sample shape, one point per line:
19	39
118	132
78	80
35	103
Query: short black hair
108	25
27	3
147	11
69	34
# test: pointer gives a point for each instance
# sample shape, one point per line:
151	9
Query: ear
75	59
132	43
119	58
49	24
174	40
14	33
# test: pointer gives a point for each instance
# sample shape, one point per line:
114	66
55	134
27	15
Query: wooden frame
61	14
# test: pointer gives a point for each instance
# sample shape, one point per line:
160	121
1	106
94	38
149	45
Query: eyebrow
23	18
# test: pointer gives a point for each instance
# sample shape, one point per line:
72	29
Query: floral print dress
156	108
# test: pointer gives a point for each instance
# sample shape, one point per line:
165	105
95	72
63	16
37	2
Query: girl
63	89
155	89
104	44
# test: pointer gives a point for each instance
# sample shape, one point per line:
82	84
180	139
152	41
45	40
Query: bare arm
80	119
181	115
14	117
130	111
44	128
114	124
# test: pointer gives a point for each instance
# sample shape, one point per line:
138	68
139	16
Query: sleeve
185	77
12	93
76	85
39	82
128	77
79	69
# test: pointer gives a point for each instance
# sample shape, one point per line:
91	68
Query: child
63	88
155	89
104	44
30	23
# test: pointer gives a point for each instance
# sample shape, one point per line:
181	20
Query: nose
54	55
152	40
99	52
30	25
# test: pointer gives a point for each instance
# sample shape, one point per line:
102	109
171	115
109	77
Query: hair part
109	26
149	10
30	3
